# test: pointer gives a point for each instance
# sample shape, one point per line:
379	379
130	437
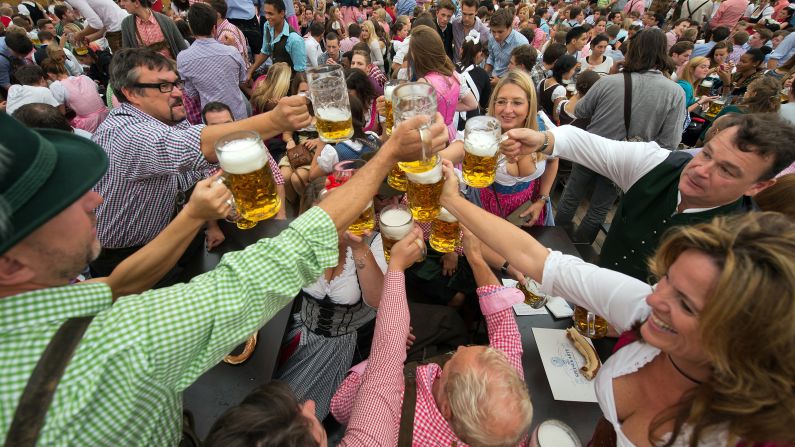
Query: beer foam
426	178
550	435
388	89
242	156
446	216
333	113
399	223
707	83
480	144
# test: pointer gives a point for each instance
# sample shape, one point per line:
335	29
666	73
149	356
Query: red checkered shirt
430	427
149	33
227	29
377	75
374	407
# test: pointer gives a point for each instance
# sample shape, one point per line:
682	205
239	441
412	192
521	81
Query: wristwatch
545	198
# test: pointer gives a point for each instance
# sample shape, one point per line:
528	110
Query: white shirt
621	300
313	51
401	51
345	289
20	95
603	68
328	156
100	13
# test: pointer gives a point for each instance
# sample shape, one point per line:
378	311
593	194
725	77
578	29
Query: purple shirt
213	71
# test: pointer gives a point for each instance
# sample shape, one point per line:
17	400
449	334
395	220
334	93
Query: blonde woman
270	88
693	73
369	36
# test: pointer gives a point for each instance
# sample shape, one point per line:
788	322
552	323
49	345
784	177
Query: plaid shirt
430	427
147	158
225	29
149	32
377	75
125	382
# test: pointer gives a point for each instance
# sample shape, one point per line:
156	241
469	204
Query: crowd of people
675	118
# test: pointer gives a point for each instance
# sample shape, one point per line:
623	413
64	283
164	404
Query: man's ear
13	272
759	186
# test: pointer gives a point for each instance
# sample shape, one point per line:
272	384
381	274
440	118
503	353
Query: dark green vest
647	211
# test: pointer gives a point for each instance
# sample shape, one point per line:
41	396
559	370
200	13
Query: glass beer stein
715	107
589	324
481	150
365	221
445	232
397	178
533	296
395	223
389	88
244	159
415	99
329	94
424	190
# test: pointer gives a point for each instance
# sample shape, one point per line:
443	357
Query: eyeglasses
164	87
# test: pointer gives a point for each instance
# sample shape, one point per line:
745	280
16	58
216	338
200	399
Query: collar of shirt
285	31
56	303
508	40
689	210
150	21
429	424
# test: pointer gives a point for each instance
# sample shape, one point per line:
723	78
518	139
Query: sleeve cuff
494	299
359	368
550	272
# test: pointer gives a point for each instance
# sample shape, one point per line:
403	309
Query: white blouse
505	179
344	289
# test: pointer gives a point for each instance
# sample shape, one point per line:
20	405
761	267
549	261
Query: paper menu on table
562	363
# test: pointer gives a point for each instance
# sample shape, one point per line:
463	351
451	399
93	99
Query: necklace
688	377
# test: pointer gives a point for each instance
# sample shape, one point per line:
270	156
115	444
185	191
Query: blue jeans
602	198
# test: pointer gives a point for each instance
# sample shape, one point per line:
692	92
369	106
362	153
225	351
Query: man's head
333	45
45	37
132	5
42	116
576	14
778	36
64	13
484	398
316	31
216	112
149	81
220	8
576	38
354	30
469	12
760	37
648	19
18	42
680	26
274	13
523	57
269	416
49	232
444	12
23	22
361	60
720	33
742	158
648	51
616	17
553	52
501	24
345	60
202	18
45	25
30	75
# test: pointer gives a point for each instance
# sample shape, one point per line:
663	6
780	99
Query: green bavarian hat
42	172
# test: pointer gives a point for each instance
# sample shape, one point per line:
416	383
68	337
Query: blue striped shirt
500	54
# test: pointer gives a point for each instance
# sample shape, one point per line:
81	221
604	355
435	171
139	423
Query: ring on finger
420	244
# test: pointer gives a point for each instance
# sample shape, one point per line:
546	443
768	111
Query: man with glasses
155	155
463	24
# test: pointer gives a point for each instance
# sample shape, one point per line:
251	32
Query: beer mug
329	94
481	150
395	223
390	87
705	87
415	99
424	190
445	232
344	170
365	221
397	178
785	95
589	324
715	107
533	296
554	433
244	159
571	90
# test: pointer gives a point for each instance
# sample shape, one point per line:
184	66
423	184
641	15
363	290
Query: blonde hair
688	74
368	25
426	51
779	196
746	328
522	80
494	391
275	86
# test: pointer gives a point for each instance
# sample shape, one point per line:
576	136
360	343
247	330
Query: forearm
467	103
282	214
259	59
520	249
484	276
88	30
496	304
263	124
148	265
371	278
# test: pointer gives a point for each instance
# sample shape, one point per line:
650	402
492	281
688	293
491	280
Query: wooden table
581	416
226	385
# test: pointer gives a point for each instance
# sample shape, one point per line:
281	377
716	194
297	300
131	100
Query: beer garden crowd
677	116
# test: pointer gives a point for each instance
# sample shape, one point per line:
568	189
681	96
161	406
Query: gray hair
124	68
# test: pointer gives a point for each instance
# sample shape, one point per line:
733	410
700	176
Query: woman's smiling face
511	107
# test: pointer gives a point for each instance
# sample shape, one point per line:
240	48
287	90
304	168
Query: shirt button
632	251
625	257
654	232
642	242
616	263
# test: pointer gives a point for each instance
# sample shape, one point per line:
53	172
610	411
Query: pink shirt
634	5
447	90
729	13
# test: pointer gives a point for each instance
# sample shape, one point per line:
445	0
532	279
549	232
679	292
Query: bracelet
544	197
546	143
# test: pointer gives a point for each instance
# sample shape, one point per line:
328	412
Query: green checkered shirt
124	385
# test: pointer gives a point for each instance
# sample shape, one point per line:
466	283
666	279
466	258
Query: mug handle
591	324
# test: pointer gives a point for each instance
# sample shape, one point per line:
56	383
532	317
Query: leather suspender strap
627	102
406	431
40	389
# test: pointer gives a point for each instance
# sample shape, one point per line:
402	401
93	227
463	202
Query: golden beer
481	147
248	176
715	108
532	295
423	192
445	232
705	87
365	221
389	122
589	324
333	124
395	223
419	166
397	178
